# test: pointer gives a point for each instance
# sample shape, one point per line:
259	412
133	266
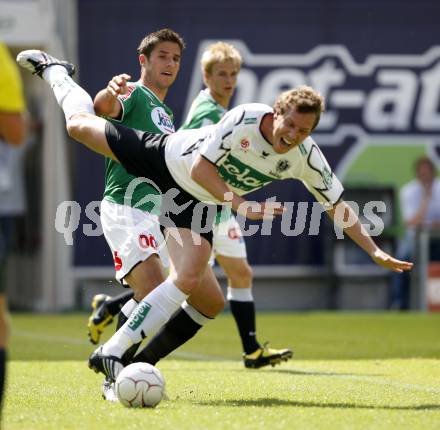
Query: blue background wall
110	30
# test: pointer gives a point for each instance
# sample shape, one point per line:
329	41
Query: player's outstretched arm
106	101
343	212
89	130
206	175
385	260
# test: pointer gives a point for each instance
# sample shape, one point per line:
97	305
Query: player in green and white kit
129	208
221	63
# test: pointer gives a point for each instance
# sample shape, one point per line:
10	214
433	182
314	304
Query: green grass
350	371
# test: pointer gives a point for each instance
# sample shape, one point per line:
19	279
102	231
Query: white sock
240	294
194	314
70	96
129	307
151	314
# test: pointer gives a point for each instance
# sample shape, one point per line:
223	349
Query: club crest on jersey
162	120
245	144
282	166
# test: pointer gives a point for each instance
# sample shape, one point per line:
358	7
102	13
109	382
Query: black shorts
143	155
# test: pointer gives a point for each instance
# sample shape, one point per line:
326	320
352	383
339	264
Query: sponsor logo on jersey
241	176
117	260
162	120
234	233
244	144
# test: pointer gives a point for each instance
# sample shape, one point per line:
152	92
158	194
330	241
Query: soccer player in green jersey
128	210
221	63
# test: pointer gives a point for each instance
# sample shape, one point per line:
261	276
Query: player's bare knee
75	126
187	282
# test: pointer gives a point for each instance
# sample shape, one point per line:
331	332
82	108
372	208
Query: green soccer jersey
204	111
142	110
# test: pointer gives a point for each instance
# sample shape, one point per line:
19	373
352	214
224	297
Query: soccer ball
140	385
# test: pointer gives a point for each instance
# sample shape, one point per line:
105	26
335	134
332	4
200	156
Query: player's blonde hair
304	99
219	52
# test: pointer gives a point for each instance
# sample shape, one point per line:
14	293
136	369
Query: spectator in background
12	135
420	207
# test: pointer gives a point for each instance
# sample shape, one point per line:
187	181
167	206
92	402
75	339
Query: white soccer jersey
246	160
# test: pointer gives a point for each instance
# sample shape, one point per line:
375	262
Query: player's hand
385	260
118	85
260	211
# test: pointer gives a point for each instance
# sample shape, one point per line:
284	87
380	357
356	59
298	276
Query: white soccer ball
140	385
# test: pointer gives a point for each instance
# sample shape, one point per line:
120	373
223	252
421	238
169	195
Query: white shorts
132	235
228	239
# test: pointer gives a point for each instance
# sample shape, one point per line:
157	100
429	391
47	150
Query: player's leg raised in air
186	273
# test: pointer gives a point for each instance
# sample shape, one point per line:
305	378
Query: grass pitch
350	371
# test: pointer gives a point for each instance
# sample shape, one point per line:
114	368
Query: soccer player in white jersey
221	63
199	169
130	103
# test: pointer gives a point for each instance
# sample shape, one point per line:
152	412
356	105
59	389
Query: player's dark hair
150	41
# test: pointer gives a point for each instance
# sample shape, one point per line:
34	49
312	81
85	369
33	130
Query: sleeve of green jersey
128	100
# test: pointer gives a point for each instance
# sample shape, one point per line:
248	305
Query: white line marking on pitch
74	341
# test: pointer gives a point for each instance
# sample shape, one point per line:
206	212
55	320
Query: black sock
244	315
115	304
128	355
2	374
179	329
